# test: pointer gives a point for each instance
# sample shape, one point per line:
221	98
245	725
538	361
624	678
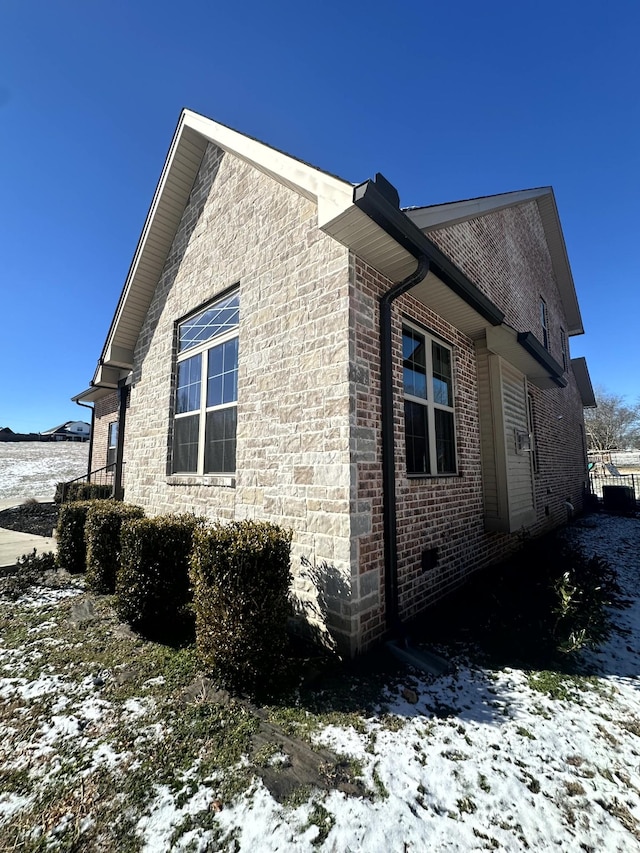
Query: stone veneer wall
514	269
293	461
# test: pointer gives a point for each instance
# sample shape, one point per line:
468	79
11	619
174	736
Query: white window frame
565	349
431	405
112	442
544	323
202	351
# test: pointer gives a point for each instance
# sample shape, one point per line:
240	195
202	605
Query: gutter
380	201
532	345
123	399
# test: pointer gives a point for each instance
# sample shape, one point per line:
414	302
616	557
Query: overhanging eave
583	381
526	353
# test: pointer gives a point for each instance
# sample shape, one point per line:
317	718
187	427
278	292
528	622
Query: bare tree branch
614	425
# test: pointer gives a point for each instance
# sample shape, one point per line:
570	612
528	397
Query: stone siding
293	461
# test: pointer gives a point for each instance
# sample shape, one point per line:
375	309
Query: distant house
393	385
7	434
69	431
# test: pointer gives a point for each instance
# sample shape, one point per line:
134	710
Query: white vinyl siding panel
487	442
507	473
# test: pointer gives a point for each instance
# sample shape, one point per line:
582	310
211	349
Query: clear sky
447	100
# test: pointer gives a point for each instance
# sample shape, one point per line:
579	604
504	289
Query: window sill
225	481
453	476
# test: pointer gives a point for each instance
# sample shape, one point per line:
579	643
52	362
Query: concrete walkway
13	544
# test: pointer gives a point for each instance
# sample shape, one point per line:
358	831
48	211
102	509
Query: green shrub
152	581
30	570
102	537
241	576
72	546
581	595
538	609
82	492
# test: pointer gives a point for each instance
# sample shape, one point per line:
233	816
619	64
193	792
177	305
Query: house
393	385
68	431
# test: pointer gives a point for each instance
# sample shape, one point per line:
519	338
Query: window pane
222	379
188	392
220	441
415	383
185	444
416	437
215	320
112	442
442	385
414	365
445	444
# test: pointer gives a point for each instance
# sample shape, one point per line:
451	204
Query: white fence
597	482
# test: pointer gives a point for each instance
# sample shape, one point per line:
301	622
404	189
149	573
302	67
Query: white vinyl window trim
432	417
202	356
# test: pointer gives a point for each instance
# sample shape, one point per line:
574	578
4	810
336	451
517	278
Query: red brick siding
509	254
106	411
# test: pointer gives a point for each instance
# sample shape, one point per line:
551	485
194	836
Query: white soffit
438	297
443	215
331	194
355	230
503	340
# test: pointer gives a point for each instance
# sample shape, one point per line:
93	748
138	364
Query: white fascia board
452	213
331	194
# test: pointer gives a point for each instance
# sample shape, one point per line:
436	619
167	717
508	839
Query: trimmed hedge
83	492
241	576
102	537
72	547
152	581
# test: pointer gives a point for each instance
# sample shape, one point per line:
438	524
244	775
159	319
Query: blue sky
447	100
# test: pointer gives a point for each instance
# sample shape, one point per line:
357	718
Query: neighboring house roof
365	218
62	428
59	428
439	216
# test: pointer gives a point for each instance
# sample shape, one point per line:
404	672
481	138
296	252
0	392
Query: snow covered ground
477	759
31	469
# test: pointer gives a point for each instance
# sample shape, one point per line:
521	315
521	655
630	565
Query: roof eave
190	140
583	381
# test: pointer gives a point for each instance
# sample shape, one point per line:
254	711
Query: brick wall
507	255
106	411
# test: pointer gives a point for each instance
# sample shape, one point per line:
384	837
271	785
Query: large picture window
428	404
204	435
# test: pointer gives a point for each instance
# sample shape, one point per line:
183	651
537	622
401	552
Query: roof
193	133
365	218
62	427
583	381
439	216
